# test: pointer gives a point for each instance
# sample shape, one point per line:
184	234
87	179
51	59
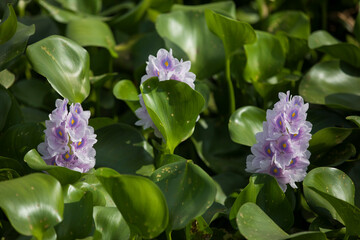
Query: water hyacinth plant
281	149
220	120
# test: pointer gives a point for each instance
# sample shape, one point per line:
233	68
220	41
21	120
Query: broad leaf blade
64	63
33	204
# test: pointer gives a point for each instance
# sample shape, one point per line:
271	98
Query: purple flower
281	149
68	138
165	67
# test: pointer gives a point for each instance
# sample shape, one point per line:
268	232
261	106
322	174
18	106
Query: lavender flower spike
165	67
68	138
281	149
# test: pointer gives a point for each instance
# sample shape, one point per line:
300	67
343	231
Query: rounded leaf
33	203
174	108
8	24
189	191
64	63
244	123
332	82
139	200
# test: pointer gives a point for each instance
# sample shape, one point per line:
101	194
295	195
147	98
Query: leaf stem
168	234
230	85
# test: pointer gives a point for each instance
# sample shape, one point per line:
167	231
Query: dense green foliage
192	184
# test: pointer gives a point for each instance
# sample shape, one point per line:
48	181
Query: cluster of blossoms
68	138
281	149
165	67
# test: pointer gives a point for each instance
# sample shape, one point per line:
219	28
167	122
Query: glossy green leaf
325	139
125	90
33	203
355	119
329	81
195	41
100	122
85	6
62	174
215	148
36	90
8	24
321	40
16	45
265	192
333	182
64	63
19	139
294	23
253	223
6	78
189	191
265	58
174	108
110	224
233	33
139	200
244	123
335	156
5	105
122	148
92	32
77	222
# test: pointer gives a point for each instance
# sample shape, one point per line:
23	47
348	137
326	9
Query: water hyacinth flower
69	139
165	67
281	149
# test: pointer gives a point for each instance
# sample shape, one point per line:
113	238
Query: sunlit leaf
139	200
34	203
64	63
8	24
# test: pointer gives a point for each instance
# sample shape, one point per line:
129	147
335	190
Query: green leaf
33	203
125	90
265	192
19	139
77	222
265	58
8	24
16	45
325	139
332	182
295	23
60	15
92	32
174	107
186	33
332	82
321	40
6	78
62	174
64	63
198	229
244	123
189	191
10	163
128	22
233	33
5	105
139	200
355	119
110	224
84	6
122	148
254	224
